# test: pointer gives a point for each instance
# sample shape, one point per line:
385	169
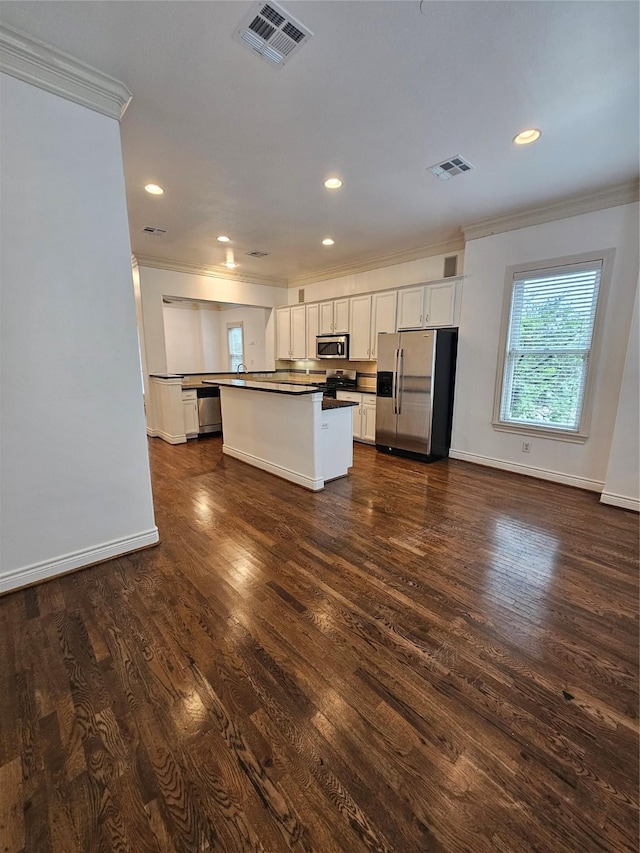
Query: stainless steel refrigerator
414	392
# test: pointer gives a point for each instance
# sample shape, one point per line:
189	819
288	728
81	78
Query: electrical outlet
526	447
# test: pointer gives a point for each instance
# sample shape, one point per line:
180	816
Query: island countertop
269	387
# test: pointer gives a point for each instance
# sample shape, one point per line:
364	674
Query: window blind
548	346
234	340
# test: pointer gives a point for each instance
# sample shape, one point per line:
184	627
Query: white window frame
604	256
238	324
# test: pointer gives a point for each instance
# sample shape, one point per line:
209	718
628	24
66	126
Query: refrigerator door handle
394	387
401	379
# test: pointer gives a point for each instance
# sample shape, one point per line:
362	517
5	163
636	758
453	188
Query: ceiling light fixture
333	183
223	239
327	241
527	136
154	189
230	265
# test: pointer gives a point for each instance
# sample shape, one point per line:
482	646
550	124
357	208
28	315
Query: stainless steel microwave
332	346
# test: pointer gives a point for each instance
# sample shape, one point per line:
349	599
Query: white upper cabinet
383	317
360	328
283	333
298	332
429	305
440	304
411	308
334	317
341	316
291	332
313	326
326	318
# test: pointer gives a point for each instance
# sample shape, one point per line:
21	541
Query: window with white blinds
235	345
548	347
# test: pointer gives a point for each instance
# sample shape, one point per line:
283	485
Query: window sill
541	432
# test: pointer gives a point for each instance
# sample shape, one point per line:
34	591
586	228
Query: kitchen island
285	428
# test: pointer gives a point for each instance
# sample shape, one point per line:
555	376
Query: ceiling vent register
257	254
450	168
272	33
149	229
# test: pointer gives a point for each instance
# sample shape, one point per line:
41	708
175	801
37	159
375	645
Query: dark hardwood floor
419	658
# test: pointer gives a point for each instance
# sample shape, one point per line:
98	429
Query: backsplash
366	370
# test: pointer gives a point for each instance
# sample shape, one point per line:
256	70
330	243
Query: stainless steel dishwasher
209	415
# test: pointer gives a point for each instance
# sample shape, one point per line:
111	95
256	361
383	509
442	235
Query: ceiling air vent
149	229
272	33
450	168
257	254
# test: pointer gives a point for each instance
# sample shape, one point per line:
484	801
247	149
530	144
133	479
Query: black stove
343	380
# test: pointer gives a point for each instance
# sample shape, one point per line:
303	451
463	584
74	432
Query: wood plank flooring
418	658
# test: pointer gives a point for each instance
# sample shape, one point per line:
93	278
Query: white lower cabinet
364	414
368	422
190	411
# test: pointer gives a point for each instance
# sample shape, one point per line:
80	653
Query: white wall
486	260
254	330
622	486
196	336
383	278
156	283
183	337
75	484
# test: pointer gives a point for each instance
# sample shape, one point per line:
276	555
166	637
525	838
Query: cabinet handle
426	318
421	319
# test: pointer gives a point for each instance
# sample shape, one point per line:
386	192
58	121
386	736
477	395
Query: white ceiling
379	93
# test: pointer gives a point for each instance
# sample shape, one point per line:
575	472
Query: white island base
286	432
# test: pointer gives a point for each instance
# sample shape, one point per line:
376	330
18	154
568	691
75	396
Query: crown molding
196	269
625	193
454	245
48	68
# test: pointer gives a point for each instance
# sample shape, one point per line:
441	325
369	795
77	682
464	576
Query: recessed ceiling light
230	265
327	241
527	136
333	183
154	189
223	239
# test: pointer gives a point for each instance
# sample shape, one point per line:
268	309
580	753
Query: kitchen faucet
241	368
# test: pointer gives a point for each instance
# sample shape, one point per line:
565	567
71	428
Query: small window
547	349
235	345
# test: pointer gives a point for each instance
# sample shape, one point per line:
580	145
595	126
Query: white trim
48	68
77	560
166	436
529	470
444	248
611	499
198	269
278	470
625	193
607	258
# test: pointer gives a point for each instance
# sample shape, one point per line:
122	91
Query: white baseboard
278	470
77	560
166	436
622	501
529	470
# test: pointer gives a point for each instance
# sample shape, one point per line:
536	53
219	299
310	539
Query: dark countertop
366	391
269	387
336	404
